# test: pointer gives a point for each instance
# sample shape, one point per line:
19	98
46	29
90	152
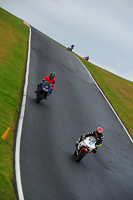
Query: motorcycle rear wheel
81	155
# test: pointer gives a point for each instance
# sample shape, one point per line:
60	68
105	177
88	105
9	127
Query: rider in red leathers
51	79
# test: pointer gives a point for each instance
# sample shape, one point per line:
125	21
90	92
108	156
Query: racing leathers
47	78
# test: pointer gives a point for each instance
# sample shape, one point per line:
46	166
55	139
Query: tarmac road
51	128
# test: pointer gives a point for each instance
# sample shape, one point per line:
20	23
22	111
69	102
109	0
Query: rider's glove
83	137
42	81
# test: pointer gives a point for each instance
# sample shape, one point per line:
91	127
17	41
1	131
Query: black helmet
99	131
52	75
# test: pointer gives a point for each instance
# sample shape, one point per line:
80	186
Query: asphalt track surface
51	128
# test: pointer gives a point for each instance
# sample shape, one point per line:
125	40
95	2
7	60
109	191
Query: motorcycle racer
72	46
50	78
98	134
86	58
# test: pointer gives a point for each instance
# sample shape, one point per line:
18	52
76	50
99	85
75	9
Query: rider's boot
94	150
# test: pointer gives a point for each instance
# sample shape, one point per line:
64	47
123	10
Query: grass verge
13	52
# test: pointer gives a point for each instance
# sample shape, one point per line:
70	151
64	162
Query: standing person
72	46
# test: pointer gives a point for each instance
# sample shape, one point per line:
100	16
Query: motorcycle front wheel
81	155
39	97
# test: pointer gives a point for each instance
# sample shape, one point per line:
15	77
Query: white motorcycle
69	48
85	146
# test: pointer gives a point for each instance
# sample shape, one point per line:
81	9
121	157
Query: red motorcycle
86	58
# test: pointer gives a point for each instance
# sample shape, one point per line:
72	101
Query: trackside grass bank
13	53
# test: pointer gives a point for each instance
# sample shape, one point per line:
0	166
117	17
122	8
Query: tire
81	155
75	153
39	98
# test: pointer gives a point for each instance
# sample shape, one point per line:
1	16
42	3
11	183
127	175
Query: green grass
13	51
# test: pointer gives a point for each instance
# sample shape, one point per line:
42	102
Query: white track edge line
108	102
20	124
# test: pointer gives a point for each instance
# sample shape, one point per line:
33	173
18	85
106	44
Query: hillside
13	51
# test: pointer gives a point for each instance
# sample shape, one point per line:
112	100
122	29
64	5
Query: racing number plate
90	143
